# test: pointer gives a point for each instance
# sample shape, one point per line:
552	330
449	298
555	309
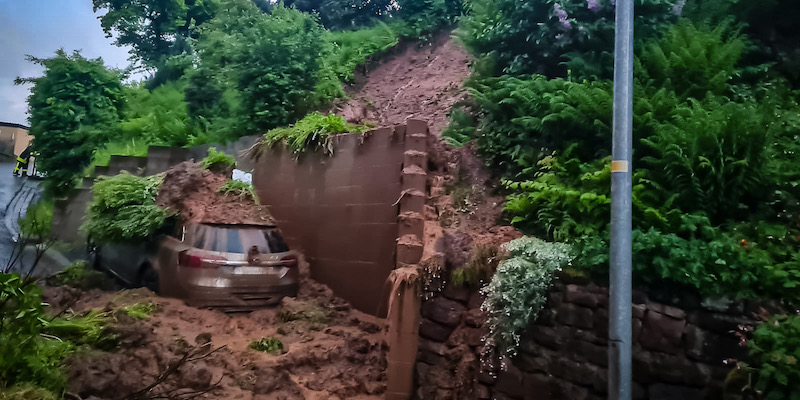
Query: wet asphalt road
15	195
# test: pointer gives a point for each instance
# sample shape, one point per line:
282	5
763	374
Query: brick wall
678	353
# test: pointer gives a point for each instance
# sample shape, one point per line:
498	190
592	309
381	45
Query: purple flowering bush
555	38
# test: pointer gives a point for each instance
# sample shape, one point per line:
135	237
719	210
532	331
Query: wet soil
419	80
194	193
331	351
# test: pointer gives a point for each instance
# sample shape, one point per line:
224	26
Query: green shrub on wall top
518	291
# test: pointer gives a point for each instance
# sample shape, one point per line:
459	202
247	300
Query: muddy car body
230	267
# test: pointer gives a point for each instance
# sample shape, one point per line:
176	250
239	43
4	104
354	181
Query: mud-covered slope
419	80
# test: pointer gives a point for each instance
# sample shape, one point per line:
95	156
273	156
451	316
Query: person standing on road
22	162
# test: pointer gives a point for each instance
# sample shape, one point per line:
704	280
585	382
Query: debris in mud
330	351
194	193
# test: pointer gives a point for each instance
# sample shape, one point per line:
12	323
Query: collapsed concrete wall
342	211
69	213
678	353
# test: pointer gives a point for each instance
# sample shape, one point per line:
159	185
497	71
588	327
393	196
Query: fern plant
692	61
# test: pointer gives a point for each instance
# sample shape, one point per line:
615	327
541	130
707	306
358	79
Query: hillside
420	81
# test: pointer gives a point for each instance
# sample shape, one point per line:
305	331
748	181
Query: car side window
276	243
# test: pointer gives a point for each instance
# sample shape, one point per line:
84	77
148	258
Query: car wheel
148	278
93	256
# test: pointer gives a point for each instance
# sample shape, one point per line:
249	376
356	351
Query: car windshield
236	239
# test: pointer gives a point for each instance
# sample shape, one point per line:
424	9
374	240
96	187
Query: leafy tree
74	108
271	60
154	29
159	116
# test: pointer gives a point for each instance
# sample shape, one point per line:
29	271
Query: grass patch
239	189
313	132
268	345
88	329
102	156
344	52
79	275
26	391
302	311
141	310
218	161
480	268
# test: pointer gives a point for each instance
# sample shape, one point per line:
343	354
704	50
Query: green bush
715	187
124	209
268	345
311	133
159	116
270	60
38	219
461	128
691	61
775	349
518	291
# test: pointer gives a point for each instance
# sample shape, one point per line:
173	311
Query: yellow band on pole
619	166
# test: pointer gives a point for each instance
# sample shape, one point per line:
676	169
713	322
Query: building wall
13	139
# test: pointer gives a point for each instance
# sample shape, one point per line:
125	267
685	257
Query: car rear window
236	240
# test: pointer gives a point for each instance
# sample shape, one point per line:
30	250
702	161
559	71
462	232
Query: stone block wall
677	353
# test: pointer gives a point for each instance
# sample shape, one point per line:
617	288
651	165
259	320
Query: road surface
16	194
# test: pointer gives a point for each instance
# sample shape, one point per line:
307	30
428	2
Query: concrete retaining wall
342	210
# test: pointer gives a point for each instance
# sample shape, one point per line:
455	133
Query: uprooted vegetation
132	208
313	132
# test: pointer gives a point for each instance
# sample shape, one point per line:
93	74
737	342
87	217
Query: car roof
234	226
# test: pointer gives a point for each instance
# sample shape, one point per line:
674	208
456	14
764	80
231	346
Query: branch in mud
41	241
192	354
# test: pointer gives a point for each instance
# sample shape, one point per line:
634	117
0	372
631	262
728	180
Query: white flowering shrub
518	291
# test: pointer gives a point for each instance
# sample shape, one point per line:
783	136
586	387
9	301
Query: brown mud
420	81
193	192
331	351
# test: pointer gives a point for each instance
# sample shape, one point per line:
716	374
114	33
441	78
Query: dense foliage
74	109
775	347
154	29
123	208
554	37
715	196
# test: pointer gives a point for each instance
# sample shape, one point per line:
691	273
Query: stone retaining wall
678	353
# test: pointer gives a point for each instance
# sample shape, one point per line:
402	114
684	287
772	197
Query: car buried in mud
229	267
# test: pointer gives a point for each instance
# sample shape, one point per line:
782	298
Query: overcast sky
38	28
